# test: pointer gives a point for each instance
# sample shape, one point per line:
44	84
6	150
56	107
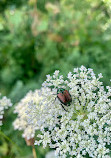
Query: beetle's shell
62	98
65	97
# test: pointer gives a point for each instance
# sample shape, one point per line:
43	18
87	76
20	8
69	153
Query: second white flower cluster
4	104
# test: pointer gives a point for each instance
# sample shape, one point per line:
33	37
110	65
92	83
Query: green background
39	37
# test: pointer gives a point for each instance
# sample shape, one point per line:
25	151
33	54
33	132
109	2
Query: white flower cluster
84	129
4	104
21	123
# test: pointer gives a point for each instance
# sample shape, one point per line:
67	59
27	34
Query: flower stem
34	152
13	143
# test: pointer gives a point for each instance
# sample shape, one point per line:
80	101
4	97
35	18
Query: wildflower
4	104
84	129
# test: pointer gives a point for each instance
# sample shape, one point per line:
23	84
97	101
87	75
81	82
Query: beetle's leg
63	107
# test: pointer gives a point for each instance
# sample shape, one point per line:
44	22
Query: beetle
64	97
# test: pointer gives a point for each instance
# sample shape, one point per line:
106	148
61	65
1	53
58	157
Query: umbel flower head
4	104
84	129
21	123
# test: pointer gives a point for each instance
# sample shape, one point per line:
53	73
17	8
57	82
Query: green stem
86	105
7	138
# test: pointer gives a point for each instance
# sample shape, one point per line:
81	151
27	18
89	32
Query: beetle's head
60	90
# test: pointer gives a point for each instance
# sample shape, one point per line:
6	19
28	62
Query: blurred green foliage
38	37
